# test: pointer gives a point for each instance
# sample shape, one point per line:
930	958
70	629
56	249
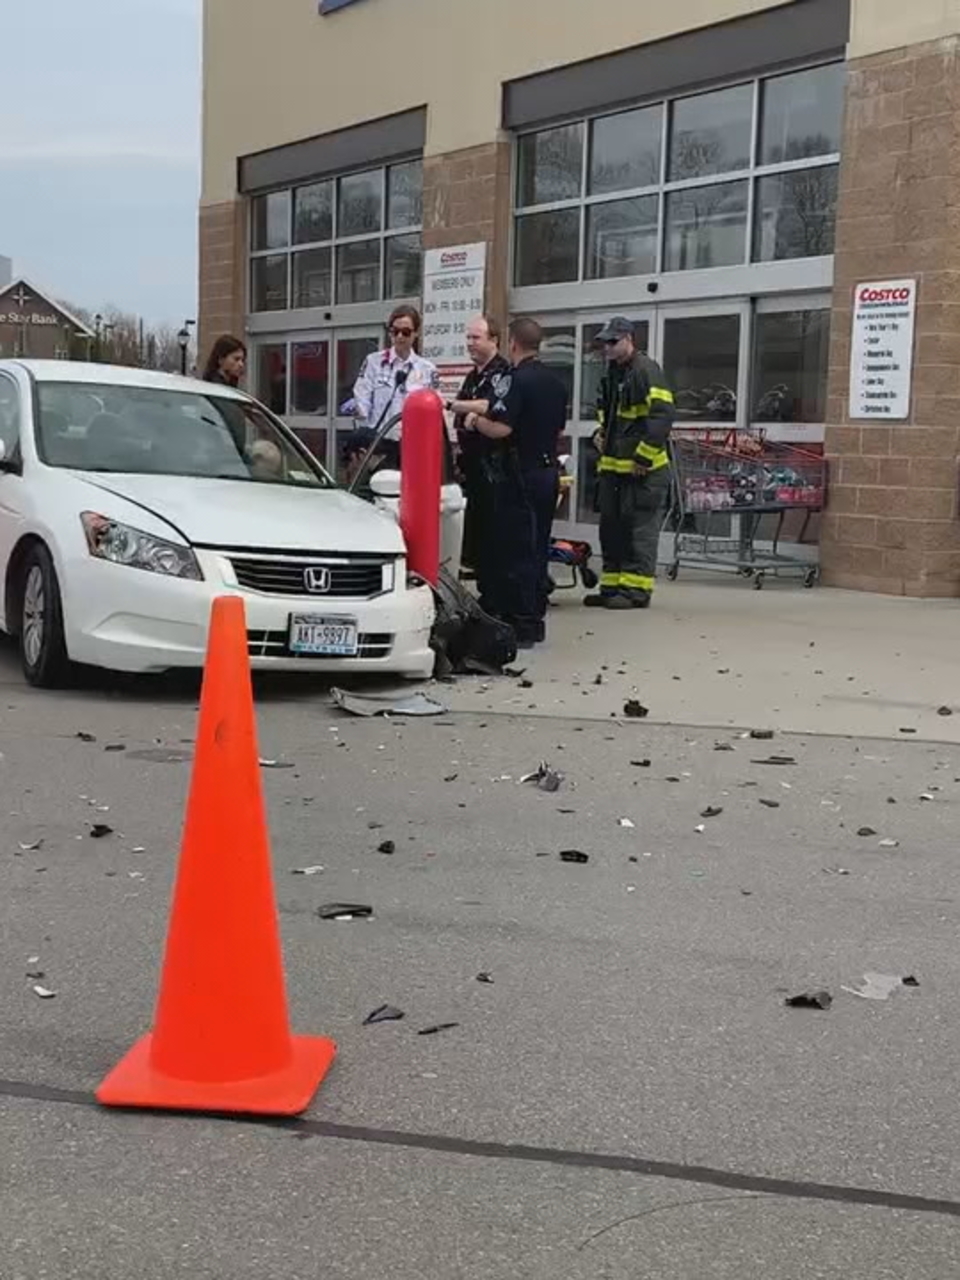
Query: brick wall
222	267
466	199
892	520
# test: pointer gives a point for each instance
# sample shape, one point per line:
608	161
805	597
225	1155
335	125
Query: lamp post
183	337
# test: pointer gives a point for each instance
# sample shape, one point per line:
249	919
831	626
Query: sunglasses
610	342
402	333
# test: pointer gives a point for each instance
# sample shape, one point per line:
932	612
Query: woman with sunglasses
388	376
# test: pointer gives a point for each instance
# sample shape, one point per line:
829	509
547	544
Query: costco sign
881	360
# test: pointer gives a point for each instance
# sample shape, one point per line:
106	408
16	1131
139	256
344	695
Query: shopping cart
723	485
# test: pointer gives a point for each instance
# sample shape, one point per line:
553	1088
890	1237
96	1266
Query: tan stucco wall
879	25
275	71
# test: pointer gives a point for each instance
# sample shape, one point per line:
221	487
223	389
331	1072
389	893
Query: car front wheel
43	649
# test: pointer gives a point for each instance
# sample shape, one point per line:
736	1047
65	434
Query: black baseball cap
618	327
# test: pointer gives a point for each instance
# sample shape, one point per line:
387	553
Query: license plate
323	637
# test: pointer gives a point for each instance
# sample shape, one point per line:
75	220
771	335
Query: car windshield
148	431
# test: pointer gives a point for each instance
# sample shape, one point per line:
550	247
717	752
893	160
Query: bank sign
881	360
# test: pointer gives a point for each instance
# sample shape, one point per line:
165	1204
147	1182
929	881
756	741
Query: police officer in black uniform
525	421
477	454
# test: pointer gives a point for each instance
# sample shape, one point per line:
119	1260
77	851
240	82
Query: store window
353	239
311	377
272	376
559	354
598	199
790	366
795	215
701	357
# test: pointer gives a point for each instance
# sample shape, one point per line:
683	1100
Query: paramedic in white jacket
388	376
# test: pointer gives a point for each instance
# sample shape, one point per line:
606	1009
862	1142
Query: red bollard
422	449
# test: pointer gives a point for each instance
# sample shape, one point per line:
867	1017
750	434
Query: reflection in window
796	214
593	365
268	286
351	353
586	490
311	377
313	213
559	354
548	247
404	196
802	114
313	278
358	271
701	356
790	366
270	221
711	133
706	227
403	265
272	377
622	238
625	151
360	208
550	166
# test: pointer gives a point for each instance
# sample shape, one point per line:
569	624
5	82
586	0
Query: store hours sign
453	288
881	359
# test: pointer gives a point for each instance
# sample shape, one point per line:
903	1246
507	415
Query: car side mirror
385	484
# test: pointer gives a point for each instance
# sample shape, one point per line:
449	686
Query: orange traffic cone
222	1038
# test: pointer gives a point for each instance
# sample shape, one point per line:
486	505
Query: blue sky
100	151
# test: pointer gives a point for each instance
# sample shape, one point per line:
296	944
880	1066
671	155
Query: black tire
43	648
589	578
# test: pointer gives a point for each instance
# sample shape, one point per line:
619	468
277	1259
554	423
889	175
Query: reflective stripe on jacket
640	419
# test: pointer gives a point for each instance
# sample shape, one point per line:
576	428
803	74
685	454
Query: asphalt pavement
628	1097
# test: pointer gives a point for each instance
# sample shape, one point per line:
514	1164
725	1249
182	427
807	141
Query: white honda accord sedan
129	500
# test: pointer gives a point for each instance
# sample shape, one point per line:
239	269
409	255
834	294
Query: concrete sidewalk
715	652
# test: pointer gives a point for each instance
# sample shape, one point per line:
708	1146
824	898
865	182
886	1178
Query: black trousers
631	513
515	510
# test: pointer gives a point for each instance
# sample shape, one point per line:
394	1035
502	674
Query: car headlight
120	544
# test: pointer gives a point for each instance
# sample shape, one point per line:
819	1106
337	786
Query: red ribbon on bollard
420	481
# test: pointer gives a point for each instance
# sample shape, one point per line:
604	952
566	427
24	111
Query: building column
223	259
892	517
466	199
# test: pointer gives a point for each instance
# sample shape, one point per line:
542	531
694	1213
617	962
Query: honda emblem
317	579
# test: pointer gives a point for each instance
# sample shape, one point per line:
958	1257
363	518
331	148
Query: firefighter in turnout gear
635	414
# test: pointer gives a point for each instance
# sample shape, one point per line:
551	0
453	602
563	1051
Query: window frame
662	189
336	241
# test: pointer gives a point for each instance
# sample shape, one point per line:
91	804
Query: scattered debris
485	978
598	679
836	871
724	746
44	993
908	731
782	761
389	704
627	824
32	847
547	779
878	986
574	855
86	737
927	796
388	847
866	831
889	844
810	1000
911	981
770	804
635	710
451	777
344	911
383	1013
526	684
99	830
640	764
275	764
746	893
699	830
514	674
115	746
761	735
712	811
35	975
307	871
944	711
441	1026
